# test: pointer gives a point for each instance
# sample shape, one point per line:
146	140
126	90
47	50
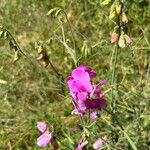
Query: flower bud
16	56
106	2
40	49
98	144
40	56
118	8
124	18
121	42
114	37
112	13
127	39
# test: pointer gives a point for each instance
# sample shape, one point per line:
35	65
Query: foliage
30	93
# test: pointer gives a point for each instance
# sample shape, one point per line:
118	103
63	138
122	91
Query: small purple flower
46	137
98	144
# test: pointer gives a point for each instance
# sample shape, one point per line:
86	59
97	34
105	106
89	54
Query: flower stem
115	57
113	99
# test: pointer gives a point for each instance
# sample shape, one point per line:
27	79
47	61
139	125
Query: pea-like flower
46	137
98	144
85	93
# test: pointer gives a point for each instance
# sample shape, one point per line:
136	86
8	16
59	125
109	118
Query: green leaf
57	12
52	11
130	141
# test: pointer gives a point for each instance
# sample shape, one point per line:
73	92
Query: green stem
113	78
113	81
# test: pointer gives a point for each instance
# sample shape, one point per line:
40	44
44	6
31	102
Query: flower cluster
118	15
85	93
46	137
99	143
123	40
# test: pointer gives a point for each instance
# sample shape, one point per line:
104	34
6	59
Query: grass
29	92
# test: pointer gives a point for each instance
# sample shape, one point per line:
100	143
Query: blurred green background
29	92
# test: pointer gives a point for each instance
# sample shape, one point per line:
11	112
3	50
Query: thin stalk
14	40
113	78
74	46
115	57
148	70
115	118
23	53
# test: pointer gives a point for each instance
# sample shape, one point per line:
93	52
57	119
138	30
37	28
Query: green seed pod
16	56
112	13
122	42
124	18
1	34
40	49
106	2
118	8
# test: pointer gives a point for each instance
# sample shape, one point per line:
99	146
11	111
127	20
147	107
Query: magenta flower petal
44	139
93	115
72	84
78	147
82	96
78	72
84	83
81	106
98	144
41	126
95	103
101	84
97	89
90	71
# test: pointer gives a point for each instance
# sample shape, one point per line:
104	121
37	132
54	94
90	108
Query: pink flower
78	147
93	115
98	144
79	82
127	39
114	37
46	137
86	94
41	126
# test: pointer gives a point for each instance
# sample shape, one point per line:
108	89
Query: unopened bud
124	18
114	37
40	49
106	2
40	56
99	143
121	42
127	39
112	13
118	8
16	56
